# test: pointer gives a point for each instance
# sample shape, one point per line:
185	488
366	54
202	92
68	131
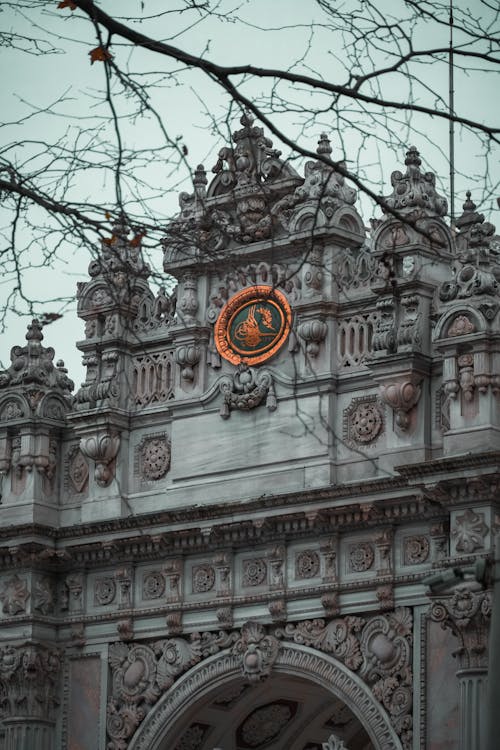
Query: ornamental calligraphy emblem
253	325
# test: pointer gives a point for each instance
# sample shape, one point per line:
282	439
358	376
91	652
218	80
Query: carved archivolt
220	670
364	662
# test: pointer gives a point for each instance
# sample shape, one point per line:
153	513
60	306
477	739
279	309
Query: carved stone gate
364	665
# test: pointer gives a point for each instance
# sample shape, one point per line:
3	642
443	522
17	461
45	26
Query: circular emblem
253	325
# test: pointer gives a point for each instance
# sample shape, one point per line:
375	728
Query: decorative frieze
43	596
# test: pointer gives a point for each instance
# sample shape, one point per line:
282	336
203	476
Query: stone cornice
460	463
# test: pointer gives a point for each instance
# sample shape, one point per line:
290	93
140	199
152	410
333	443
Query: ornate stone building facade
219	541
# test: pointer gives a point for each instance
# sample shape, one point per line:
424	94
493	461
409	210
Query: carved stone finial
247	119
200	176
33	365
415	192
413	157
324	148
34	331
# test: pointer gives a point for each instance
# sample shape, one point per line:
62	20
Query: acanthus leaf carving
30	675
256	651
467	614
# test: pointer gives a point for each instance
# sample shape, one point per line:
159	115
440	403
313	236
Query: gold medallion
253	325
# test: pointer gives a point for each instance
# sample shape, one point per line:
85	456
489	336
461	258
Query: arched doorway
307	697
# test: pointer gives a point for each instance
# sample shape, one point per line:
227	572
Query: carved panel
14	595
254	572
307	564
193	737
104	591
361	557
363	421
469	531
153	381
203	577
416	549
11	410
152	457
355	339
153	585
265	724
43	596
76	472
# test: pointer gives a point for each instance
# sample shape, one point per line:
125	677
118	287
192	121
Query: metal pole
451	110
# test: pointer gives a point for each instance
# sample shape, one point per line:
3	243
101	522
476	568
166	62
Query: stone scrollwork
246	389
378	649
338	637
467	614
102	448
256	650
142	672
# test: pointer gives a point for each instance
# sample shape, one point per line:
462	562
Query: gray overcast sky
185	106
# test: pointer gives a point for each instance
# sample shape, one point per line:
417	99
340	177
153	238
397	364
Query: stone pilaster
29	678
467	615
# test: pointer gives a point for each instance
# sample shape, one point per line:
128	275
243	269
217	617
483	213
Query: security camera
445	580
480	573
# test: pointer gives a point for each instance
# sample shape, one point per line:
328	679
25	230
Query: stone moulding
220	670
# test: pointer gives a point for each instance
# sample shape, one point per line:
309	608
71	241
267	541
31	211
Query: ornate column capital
467	614
30	676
